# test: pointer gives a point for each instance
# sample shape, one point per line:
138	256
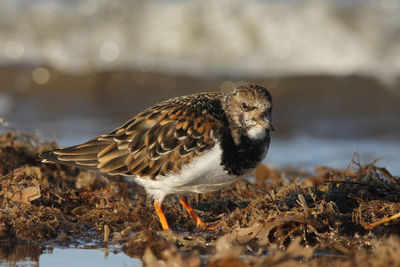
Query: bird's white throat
257	132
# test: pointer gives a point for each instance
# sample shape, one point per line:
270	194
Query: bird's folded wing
158	141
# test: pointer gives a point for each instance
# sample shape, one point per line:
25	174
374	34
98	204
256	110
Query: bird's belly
204	174
205	182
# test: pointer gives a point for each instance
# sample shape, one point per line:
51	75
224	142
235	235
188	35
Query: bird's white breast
204	174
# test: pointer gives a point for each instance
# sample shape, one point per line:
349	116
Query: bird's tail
84	155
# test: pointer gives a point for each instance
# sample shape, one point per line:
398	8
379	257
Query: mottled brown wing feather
158	141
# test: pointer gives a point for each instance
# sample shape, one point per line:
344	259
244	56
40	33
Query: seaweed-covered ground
280	218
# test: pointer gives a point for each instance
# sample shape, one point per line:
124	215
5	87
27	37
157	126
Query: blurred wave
225	37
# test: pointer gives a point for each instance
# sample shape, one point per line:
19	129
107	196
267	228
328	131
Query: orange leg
161	215
200	225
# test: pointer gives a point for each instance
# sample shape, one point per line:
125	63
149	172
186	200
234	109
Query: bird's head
248	109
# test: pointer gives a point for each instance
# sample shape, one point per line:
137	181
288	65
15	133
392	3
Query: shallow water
86	257
307	152
77	257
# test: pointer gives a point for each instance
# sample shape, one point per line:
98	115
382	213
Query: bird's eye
245	106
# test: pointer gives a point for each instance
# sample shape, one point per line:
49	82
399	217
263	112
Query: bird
197	143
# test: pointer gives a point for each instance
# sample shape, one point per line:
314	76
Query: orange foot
200	225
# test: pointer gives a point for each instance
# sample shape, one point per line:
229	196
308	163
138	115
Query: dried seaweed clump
59	204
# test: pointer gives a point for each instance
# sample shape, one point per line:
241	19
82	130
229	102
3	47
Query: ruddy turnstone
190	144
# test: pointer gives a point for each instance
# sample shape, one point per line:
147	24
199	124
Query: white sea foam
258	38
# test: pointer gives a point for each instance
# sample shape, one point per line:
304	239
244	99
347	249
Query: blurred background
73	69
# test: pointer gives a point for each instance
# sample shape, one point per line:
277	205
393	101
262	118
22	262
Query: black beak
266	123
